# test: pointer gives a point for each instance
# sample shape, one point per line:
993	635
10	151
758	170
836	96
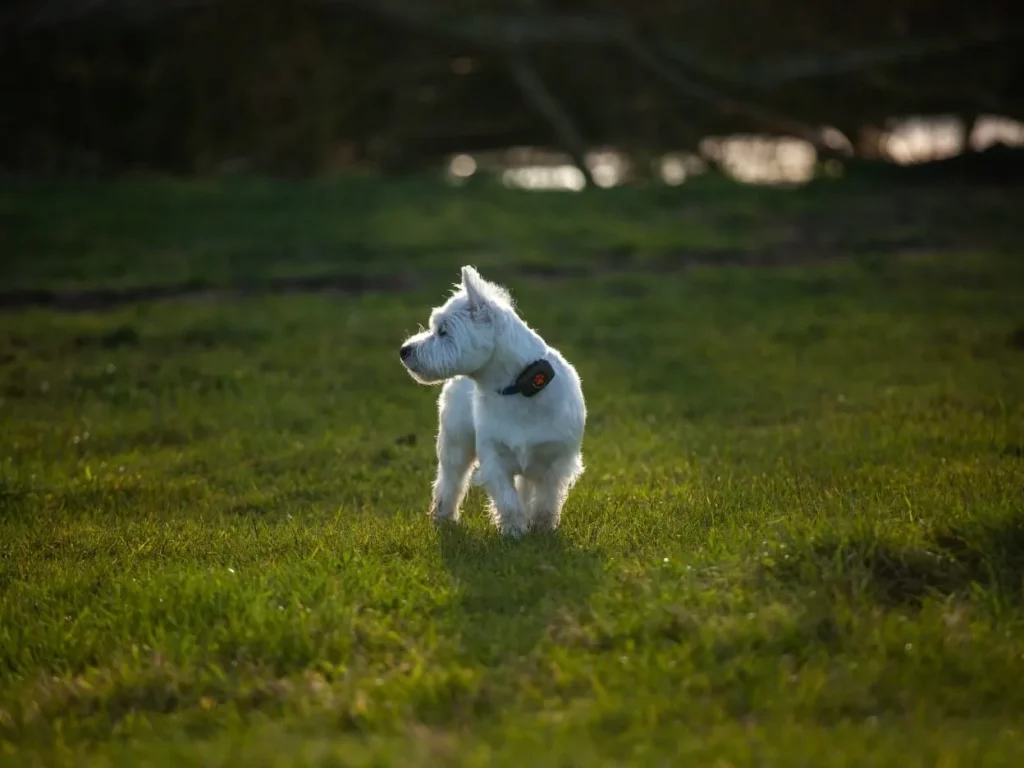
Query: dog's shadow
514	592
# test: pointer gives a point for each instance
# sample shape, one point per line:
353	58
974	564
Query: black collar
532	380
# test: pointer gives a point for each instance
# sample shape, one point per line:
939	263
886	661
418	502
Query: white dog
510	402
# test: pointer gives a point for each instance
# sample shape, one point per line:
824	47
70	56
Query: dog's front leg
527	490
506	509
455	454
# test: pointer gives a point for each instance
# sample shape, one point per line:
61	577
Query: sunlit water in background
751	159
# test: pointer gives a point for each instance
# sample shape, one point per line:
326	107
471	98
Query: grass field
799	540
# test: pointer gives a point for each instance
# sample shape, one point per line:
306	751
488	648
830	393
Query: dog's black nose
405	351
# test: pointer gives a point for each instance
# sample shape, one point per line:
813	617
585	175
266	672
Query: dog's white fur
528	450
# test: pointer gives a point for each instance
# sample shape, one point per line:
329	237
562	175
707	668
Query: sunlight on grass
798	541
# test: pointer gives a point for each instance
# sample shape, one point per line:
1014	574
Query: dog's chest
526	442
516	422
528	458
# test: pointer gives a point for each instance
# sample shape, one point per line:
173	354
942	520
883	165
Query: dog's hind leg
551	489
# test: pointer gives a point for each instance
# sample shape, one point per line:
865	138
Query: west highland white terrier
510	404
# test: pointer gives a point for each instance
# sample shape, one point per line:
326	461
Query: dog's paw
543	522
439	515
513	529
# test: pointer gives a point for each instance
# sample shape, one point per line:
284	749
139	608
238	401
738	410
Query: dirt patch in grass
631	231
671	262
949	563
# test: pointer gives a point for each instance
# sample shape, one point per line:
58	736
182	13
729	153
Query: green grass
79	235
799	540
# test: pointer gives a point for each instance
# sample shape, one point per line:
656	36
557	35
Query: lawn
799	540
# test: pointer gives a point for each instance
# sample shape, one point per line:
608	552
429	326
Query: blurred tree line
301	86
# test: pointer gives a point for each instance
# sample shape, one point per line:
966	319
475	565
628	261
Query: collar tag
532	380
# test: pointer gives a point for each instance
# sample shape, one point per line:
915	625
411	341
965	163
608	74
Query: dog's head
462	332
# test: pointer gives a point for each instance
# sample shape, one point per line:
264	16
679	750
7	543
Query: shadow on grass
14	498
511	591
952	561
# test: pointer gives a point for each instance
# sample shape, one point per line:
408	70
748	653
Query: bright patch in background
461	167
993	129
751	159
922	139
607	168
762	159
917	140
567	177
677	167
673	170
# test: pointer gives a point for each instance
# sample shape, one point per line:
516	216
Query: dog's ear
476	289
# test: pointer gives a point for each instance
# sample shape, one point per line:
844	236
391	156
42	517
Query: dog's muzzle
405	351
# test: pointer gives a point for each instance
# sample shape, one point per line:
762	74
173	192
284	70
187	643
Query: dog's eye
442	332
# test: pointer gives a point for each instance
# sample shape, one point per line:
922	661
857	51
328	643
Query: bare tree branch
692	74
50	13
770	73
486	31
776	71
492	29
723	103
544	101
530	28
